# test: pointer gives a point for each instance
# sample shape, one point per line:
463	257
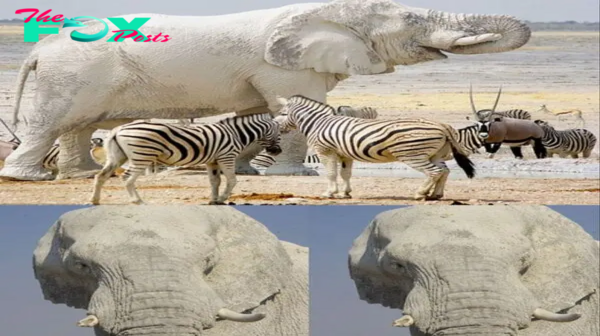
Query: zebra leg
432	171
575	156
438	191
517	152
346	173
227	167
130	176
214	177
101	178
242	162
329	160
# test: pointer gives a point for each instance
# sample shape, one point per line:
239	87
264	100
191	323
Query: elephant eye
81	266
397	265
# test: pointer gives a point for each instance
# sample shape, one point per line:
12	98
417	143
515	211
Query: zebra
216	145
419	143
567	142
264	160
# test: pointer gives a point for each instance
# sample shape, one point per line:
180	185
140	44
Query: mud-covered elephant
174	270
480	270
229	63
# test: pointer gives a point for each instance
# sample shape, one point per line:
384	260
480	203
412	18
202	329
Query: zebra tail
464	162
460	153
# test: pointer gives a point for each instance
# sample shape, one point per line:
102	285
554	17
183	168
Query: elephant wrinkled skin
171	270
230	63
480	270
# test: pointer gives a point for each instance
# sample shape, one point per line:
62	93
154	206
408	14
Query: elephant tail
29	65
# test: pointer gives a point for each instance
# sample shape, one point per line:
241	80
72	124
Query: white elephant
174	270
237	62
480	270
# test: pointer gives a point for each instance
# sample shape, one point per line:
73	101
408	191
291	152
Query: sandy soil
194	189
551	69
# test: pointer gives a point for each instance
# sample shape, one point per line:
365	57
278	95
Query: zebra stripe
50	161
264	160
515	114
217	145
419	143
570	142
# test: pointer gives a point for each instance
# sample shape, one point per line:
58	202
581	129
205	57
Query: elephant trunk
477	34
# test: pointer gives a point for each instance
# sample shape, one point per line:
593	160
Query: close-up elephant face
161	270
366	37
480	270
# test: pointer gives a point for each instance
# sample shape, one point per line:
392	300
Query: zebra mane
303	100
229	120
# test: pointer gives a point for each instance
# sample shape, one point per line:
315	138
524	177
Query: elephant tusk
230	315
404	321
470	40
545	315
88	322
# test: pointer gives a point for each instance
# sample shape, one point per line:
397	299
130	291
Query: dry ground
186	188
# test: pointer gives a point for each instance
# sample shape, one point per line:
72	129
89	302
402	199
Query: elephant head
162	270
480	270
366	37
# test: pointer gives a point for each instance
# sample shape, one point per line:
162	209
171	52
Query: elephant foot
21	173
290	169
79	174
346	195
244	168
327	195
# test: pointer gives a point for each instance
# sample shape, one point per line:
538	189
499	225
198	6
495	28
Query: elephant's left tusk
545	315
404	321
230	315
90	321
470	40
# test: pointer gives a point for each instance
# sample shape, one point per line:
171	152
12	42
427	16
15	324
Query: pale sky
532	10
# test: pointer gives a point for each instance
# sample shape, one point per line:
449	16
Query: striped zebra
217	145
419	143
568	142
264	160
515	114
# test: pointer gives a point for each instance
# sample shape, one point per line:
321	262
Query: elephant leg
293	144
74	160
25	163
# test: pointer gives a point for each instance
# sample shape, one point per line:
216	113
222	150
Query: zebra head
271	138
484	117
97	142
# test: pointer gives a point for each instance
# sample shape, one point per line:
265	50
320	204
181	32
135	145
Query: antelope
558	114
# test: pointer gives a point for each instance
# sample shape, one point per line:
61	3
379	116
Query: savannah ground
559	69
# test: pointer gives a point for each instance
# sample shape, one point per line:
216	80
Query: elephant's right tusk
545	315
88	322
230	315
404	321
470	40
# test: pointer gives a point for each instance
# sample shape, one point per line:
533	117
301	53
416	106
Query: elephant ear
364	261
321	38
253	265
57	283
560	276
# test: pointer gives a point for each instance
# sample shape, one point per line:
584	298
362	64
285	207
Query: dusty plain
559	69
